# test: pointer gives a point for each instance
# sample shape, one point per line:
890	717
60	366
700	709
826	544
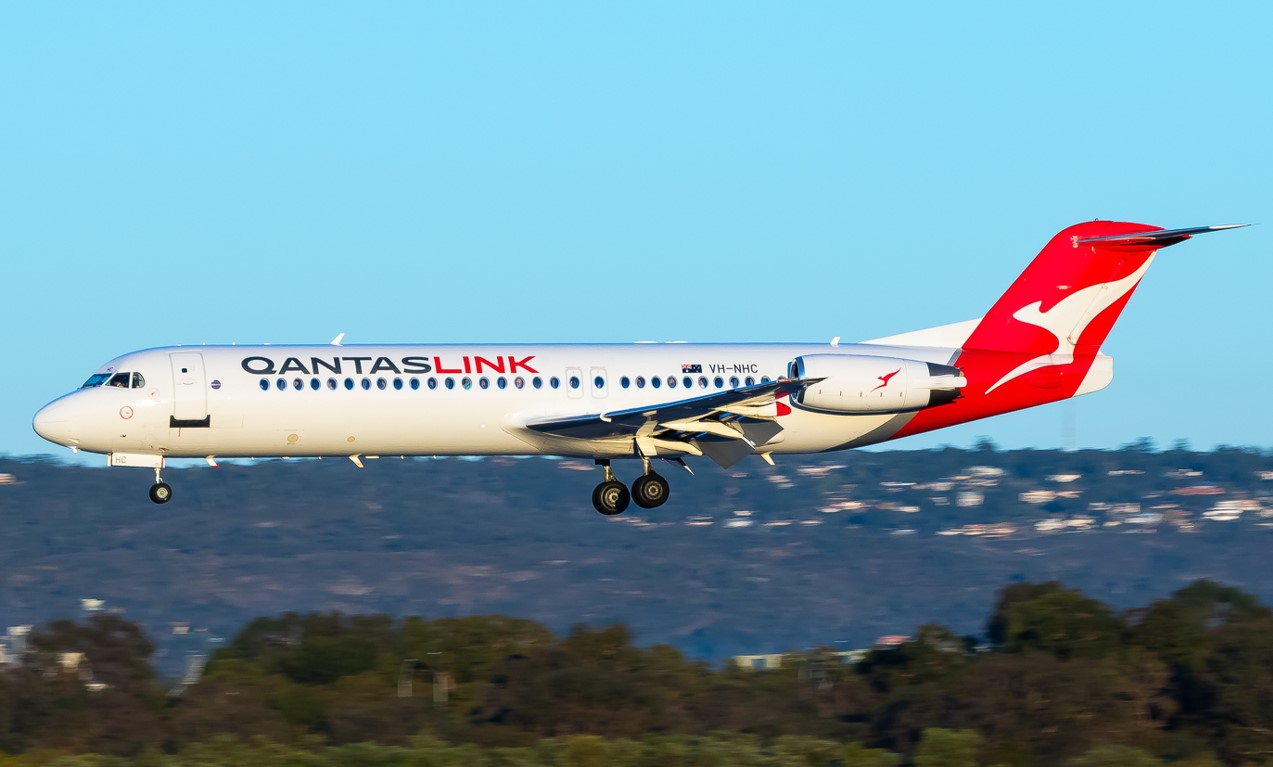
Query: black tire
161	492
650	491
611	498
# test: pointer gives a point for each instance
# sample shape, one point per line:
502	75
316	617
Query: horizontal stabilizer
1160	238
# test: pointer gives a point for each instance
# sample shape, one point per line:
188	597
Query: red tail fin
1040	340
1068	298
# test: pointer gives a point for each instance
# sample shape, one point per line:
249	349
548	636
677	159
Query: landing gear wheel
611	497
650	491
160	492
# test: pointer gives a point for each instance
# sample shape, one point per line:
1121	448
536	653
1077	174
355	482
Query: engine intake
858	383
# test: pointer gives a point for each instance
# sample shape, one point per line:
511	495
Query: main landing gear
649	490
160	492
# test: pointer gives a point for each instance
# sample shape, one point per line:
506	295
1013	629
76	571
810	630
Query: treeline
1058	679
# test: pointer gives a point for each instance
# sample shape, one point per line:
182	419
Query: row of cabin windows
688	382
412	383
518	382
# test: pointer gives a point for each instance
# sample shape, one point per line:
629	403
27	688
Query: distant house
889	641
1038	496
772	661
1198	490
763	662
1230	509
15	641
984	472
968	499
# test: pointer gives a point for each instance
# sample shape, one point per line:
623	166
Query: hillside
831	551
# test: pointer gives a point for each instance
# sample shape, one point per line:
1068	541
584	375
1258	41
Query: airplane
1039	343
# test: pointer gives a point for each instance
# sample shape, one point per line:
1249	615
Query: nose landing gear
160	492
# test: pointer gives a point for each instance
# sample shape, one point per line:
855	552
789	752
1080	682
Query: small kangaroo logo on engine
884	379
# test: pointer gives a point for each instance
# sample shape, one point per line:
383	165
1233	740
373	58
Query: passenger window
265	385
733	382
298	384
718	382
331	384
702	382
671	382
467	383
625	382
314	384
689	382
366	384
415	384
519	382
501	382
280	384
599	383
640	382
433	383
349	384
537	382
575	382
764	379
553	382
656	382
382	384
483	383
450	383
751	380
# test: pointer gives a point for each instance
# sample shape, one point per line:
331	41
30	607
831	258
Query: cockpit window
119	380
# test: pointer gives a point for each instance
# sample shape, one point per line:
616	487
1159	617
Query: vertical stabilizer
1041	340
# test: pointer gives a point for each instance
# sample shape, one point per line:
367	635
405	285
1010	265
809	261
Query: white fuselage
254	401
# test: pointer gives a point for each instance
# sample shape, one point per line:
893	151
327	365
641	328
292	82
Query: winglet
1159	238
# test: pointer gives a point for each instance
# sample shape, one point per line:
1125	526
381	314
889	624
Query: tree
1180	629
934	653
947	748
1034	707
857	755
91	687
1053	619
1115	756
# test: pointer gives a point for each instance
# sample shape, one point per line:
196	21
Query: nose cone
54	422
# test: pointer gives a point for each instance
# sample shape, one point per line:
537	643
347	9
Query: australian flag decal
691	368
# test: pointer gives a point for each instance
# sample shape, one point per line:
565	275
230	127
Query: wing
725	425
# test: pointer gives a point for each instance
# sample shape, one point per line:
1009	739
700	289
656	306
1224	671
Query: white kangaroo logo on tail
1073	313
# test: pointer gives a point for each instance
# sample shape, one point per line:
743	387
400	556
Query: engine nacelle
858	383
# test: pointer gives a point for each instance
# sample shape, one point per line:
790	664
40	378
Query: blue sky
247	172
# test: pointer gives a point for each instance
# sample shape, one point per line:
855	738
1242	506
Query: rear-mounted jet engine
857	383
